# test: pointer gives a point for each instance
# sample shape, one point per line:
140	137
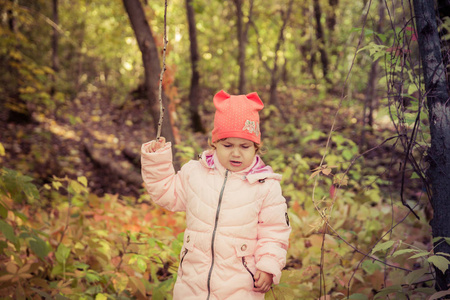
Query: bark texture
194	93
274	76
436	87
242	37
321	40
55	42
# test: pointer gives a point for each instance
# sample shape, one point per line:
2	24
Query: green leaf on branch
82	180
358	296
18	185
38	246
440	239
415	275
397	289
439	262
76	188
383	246
370	266
8	231
422	253
62	253
141	264
439	295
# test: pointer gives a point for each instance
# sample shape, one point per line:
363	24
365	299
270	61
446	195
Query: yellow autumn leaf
2	150
314	174
12	268
101	297
82	180
326	171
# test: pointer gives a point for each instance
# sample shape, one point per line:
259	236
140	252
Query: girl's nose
235	152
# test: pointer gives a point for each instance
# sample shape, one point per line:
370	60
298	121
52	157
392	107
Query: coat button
243	247
188	239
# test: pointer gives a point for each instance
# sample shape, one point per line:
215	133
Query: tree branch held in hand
163	69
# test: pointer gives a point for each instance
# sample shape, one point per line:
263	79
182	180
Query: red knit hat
237	116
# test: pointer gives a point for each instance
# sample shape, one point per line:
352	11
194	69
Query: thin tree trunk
331	18
79	60
55	37
12	22
194	93
370	101
436	87
308	56
284	72
321	40
151	63
274	77
242	37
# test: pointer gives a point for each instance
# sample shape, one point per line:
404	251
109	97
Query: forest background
344	121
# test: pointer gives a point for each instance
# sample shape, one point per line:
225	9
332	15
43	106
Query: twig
163	69
66	227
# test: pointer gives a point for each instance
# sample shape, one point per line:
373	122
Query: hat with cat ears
237	116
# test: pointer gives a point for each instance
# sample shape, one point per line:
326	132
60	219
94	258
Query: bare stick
163	69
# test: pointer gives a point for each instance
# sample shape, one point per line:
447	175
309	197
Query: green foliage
107	251
18	186
25	75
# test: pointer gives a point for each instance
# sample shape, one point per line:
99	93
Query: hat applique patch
252	127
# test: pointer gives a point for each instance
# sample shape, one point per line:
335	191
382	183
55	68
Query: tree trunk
370	102
321	40
242	31
241	47
274	76
150	59
194	93
331	18
55	37
436	87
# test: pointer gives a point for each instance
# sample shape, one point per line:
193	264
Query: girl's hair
258	147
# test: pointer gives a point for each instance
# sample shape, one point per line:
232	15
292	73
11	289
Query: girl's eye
227	146
245	147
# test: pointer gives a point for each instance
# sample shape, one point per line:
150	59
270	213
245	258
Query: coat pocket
188	246
183	255
244	263
245	250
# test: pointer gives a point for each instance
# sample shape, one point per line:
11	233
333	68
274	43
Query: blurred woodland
346	121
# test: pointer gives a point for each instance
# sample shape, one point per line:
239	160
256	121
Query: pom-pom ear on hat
237	116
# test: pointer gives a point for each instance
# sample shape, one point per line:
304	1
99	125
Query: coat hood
258	171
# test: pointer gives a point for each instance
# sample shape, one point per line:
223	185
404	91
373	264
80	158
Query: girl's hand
263	281
155	145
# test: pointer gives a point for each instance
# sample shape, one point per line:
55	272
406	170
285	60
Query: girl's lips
235	163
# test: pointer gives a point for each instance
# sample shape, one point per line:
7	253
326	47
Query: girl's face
235	154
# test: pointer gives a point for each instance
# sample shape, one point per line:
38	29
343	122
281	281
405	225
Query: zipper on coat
248	270
181	261
214	233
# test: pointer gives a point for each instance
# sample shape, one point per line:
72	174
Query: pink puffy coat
236	223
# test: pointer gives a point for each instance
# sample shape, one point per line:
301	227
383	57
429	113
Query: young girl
237	229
